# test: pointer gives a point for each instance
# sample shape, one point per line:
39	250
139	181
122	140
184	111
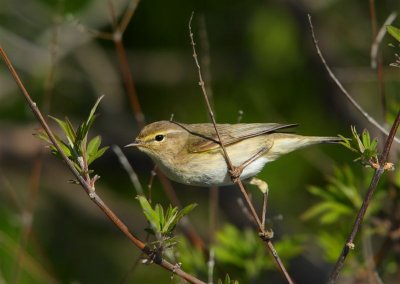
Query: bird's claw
235	173
266	235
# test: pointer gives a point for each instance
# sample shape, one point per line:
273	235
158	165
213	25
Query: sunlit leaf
148	212
394	32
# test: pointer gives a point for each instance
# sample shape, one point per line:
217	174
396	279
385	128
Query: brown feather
203	137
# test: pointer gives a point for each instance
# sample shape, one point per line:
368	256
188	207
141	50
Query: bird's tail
285	143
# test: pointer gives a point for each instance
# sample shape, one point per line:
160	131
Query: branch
87	187
117	35
230	165
379	37
128	168
361	213
344	91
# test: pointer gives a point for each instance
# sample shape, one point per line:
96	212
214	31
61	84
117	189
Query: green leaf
363	145
81	133
160	214
394	32
93	110
93	146
70	129
347	143
171	219
42	135
329	212
186	210
97	155
84	127
148	212
66	128
64	146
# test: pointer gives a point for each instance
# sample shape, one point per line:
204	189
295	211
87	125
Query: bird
191	154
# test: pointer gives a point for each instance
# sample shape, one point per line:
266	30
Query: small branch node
117	36
266	235
92	194
176	267
389	167
350	245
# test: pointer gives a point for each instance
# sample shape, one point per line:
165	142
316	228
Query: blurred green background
262	63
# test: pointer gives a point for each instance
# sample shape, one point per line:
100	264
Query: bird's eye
159	137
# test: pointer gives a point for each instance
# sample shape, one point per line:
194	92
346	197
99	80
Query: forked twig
89	189
360	216
230	166
344	91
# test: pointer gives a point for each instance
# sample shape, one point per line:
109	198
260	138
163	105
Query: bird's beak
136	143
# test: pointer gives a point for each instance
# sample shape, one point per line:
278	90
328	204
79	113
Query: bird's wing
202	141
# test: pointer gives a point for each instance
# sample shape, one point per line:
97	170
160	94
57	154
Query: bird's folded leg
266	235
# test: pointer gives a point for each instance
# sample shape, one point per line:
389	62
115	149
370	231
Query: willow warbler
191	154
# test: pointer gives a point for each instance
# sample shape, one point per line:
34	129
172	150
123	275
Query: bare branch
344	91
130	11
128	168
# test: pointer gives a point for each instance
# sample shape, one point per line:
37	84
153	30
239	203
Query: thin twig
360	216
153	174
344	91
230	165
127	76
205	58
128	168
116	36
245	210
126	18
89	189
206	63
203	88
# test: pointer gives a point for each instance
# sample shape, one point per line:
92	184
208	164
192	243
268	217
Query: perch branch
86	186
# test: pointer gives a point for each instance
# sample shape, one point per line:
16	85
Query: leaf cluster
76	147
362	145
339	199
163	222
394	32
